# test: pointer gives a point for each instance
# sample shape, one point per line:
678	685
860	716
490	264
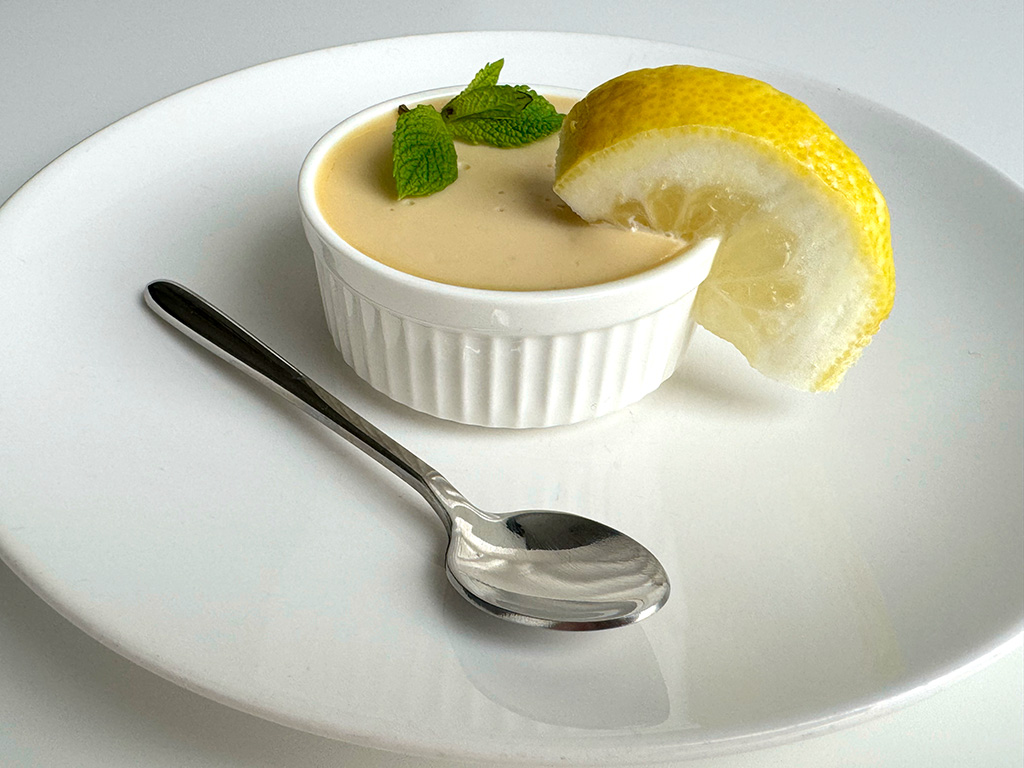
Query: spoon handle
207	325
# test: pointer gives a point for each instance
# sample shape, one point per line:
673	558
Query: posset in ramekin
497	358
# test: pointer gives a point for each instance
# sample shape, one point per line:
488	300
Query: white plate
832	556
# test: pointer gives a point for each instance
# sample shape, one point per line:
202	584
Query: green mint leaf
423	146
487	76
489	102
537	119
423	153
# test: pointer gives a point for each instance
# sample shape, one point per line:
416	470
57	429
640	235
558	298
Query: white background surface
71	69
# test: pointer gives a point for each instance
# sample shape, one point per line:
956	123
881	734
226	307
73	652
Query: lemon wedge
804	276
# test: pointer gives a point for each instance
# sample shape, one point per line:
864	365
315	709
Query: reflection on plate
831	555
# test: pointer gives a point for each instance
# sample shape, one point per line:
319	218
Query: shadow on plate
605	680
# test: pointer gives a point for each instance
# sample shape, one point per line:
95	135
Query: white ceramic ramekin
498	358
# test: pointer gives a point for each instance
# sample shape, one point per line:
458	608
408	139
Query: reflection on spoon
536	567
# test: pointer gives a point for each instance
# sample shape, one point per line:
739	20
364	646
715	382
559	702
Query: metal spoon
536	567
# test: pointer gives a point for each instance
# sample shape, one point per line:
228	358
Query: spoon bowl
554	569
537	567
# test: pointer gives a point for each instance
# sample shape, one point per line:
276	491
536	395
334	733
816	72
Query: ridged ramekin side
502	379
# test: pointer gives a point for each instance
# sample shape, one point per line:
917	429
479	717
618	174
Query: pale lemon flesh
804	276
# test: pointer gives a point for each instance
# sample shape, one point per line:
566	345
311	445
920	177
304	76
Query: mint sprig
535	119
489	102
423	149
488	75
427	161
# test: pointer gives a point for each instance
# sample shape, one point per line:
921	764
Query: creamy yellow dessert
500	226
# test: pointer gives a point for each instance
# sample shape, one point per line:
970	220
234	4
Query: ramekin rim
495	299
